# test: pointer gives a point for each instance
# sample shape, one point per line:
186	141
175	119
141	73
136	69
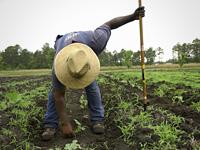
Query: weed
128	128
13	97
79	127
105	145
123	105
72	146
3	105
175	120
83	102
161	90
177	99
195	144
196	106
168	134
27	146
7	132
170	117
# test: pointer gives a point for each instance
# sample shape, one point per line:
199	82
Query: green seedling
195	144
161	90
175	120
3	105
123	105
72	146
7	132
196	106
168	134
177	99
79	127
27	146
83	102
128	128
13	97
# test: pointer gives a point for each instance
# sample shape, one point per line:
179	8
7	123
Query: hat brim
62	72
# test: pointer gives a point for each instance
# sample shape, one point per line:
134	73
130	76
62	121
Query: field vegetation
170	122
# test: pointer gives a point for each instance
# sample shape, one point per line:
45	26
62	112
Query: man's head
76	66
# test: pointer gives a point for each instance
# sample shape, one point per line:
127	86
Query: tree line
182	54
15	57
186	53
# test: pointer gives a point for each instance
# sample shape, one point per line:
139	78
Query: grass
164	67
188	78
31	72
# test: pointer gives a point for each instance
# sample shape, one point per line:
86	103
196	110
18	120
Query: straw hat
76	66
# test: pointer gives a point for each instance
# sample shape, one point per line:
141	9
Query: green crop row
24	116
188	78
155	129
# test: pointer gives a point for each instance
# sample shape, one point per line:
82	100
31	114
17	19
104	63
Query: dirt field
171	121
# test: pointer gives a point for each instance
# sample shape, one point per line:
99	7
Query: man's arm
120	21
59	96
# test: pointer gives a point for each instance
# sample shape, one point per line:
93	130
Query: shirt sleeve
100	38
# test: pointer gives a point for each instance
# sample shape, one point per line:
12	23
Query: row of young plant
22	84
177	92
22	105
155	129
23	113
179	95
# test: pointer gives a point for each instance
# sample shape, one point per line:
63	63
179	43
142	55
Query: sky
32	23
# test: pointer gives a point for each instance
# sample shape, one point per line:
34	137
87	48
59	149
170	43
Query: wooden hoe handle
142	60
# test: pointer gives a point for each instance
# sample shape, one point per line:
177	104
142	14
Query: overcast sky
31	23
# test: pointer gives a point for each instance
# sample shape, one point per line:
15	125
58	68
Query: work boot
48	134
98	127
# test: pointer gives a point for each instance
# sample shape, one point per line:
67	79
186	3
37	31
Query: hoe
146	102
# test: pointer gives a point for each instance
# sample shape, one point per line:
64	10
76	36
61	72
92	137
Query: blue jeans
96	109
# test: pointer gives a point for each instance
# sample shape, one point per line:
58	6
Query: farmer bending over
76	66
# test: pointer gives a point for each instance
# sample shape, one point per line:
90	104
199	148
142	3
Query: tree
127	57
44	58
136	58
10	57
25	58
117	58
195	50
106	58
38	60
159	53
174	55
150	55
1	62
182	52
48	54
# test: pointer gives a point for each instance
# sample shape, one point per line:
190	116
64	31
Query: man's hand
120	21
139	12
59	96
67	130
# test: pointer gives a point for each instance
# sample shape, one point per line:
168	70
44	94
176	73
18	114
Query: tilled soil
112	139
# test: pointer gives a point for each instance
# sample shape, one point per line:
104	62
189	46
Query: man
97	41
